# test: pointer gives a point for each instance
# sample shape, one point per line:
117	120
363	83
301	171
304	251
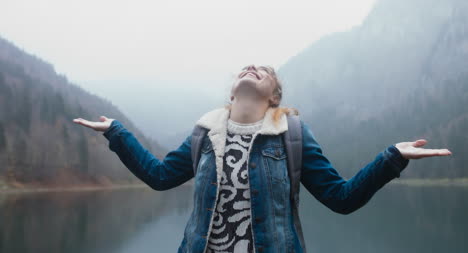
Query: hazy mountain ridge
399	76
39	143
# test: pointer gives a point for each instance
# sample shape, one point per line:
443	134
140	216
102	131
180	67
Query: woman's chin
248	82
245	86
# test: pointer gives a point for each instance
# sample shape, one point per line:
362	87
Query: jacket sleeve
172	171
340	195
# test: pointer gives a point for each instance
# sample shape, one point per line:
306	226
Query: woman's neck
247	111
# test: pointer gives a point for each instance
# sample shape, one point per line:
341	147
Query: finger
84	122
78	120
434	152
444	152
419	143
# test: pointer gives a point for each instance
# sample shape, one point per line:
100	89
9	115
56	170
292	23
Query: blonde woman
241	197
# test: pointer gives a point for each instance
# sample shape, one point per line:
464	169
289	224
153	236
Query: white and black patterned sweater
232	231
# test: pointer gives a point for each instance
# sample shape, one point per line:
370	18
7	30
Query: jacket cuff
396	159
115	127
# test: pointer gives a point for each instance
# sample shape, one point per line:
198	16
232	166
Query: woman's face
254	81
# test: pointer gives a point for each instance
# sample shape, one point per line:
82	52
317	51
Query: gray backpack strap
198	134
293	143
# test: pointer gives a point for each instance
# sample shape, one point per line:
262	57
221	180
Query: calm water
397	219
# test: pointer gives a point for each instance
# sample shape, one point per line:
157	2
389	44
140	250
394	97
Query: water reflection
99	221
397	219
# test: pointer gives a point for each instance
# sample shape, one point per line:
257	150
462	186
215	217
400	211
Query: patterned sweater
232	231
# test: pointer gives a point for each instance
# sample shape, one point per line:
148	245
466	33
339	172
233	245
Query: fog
145	55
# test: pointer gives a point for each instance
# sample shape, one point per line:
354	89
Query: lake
398	218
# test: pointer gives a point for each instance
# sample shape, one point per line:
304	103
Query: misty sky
154	58
170	39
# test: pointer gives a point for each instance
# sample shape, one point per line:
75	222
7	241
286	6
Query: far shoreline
12	190
415	182
459	182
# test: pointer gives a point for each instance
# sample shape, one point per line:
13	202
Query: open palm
413	150
101	125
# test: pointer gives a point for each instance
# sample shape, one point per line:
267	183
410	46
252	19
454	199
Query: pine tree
3	141
83	153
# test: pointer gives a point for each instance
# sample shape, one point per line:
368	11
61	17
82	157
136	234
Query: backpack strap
293	143
198	134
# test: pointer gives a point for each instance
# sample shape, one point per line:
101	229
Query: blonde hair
278	92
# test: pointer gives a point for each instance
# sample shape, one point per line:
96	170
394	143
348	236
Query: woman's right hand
101	125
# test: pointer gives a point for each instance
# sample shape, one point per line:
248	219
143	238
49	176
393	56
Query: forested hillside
39	143
400	76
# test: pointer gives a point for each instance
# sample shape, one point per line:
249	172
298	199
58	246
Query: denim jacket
272	210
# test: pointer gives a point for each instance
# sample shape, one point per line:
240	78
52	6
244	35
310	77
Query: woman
241	201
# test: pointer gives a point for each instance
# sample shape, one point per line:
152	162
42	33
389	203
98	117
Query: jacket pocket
275	162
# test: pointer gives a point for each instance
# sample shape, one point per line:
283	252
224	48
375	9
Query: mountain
400	76
39	143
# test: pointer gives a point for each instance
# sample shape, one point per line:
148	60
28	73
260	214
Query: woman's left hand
412	150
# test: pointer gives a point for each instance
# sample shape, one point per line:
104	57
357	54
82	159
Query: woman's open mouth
252	73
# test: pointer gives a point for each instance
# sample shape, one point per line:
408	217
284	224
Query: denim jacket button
258	220
253	165
260	249
254	191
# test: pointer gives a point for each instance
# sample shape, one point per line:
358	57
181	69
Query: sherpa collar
216	122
